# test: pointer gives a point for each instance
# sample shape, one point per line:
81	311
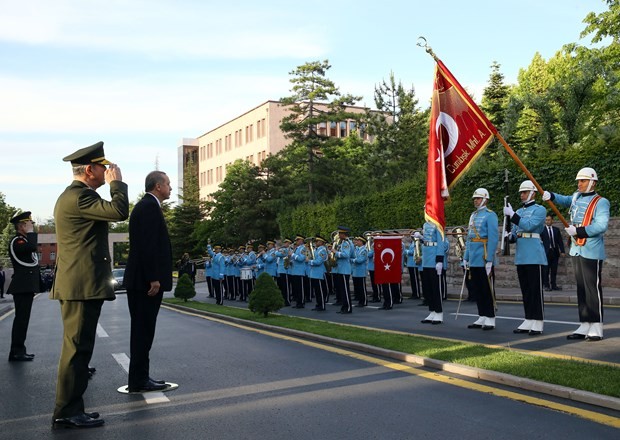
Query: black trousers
298	289
210	287
359	289
431	284
375	287
589	289
388	295
283	284
319	288
530	280
79	320
414	277
481	284
343	291
143	310
329	279
217	290
551	270
307	289
23	307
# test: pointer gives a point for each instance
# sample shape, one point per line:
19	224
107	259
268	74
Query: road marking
403	367
150	397
101	332
519	319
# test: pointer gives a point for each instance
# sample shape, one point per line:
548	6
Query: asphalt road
238	383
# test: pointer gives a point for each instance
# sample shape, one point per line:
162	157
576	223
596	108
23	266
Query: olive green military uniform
82	281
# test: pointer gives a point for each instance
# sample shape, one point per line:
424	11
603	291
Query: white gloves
571	230
508	210
465	265
417	235
546	196
439	268
488	266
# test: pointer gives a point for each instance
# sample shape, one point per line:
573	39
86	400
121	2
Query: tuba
460	234
310	246
331	259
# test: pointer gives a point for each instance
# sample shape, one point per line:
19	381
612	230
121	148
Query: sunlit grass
596	378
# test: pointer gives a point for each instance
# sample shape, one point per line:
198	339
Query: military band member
298	271
589	218
270	259
317	273
24	283
359	266
530	256
229	279
260	260
433	256
342	271
371	274
329	277
217	276
283	255
248	261
413	262
482	239
208	272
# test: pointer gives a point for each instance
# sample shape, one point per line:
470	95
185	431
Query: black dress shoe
594	338
79	421
474	326
92	415
426	321
520	330
92	370
556	288
488	327
385	308
31	355
535	332
298	307
575	336
359	305
344	312
19	358
436	322
147	387
161	382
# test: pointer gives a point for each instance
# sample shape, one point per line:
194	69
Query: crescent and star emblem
451	127
390	252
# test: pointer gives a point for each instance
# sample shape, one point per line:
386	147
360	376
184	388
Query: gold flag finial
424	44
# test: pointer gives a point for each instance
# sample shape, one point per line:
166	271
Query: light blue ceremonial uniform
260	265
280	254
249	260
219	266
271	266
411	256
208	268
483	224
359	262
343	258
594	248
299	261
317	266
235	267
528	220
434	246
371	260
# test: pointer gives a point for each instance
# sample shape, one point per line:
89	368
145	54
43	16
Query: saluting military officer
482	239
317	273
589	218
24	284
83	274
530	256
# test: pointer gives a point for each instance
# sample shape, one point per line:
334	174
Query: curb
462	370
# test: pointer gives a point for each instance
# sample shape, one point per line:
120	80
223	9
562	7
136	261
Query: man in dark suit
147	276
24	284
554	248
83	274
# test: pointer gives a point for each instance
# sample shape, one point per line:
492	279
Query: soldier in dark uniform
25	282
83	274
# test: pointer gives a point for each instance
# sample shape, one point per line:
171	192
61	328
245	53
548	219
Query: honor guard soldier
589	218
298	271
24	283
530	256
413	253
218	271
359	266
342	272
482	240
317	273
433	250
283	255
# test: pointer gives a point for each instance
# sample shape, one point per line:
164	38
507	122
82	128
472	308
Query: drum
246	273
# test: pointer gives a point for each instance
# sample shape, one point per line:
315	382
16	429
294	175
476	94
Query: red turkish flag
388	259
459	134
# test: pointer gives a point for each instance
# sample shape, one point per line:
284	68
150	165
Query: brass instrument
403	232
370	241
336	242
417	243
460	233
310	247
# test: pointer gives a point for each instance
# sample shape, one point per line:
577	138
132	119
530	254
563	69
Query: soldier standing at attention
359	263
433	252
83	274
589	217
482	239
530	256
317	273
24	284
342	271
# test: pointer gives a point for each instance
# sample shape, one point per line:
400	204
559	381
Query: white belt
430	243
528	235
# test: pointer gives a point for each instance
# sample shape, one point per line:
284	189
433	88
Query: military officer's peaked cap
344	229
319	238
299	237
271	242
88	155
261	246
217	247
362	239
287	240
21	217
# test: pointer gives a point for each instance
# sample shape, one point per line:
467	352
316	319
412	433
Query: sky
141	75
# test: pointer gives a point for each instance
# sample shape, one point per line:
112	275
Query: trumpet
460	233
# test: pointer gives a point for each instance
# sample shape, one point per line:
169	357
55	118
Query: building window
343	129
52	256
352	126
333	129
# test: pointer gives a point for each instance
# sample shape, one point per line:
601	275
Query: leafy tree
266	297
184	288
495	97
605	24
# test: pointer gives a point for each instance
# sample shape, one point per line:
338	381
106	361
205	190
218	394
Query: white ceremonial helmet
527	185
586	173
481	192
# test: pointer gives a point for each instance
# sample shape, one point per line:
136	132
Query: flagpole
424	44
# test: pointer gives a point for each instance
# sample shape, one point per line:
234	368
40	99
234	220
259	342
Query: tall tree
316	103
495	97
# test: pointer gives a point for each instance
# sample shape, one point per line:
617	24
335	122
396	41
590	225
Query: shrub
266	296
185	288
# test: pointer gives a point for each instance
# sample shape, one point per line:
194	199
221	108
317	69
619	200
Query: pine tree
185	288
266	297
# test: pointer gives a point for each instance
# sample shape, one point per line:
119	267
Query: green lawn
593	377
